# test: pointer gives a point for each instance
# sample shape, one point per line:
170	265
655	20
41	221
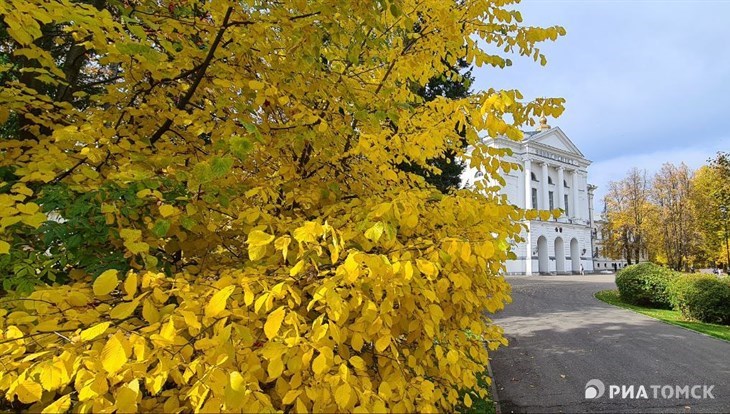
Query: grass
672	317
479	405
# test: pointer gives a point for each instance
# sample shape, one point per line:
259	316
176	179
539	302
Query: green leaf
240	146
220	166
161	227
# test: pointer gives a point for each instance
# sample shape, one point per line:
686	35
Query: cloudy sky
646	82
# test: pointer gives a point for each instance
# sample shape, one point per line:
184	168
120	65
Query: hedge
645	284
705	298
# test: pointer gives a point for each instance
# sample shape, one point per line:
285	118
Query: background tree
675	218
226	210
444	172
710	198
626	205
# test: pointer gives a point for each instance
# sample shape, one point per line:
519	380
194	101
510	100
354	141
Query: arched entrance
542	255
574	256
559	255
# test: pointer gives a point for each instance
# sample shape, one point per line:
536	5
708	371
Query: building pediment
555	138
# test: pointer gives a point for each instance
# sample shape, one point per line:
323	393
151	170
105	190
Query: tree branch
199	77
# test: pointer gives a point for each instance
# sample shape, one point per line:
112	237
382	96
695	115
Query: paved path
561	337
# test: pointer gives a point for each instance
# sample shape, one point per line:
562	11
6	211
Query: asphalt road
561	337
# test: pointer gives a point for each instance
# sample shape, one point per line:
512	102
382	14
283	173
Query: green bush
705	298
645	284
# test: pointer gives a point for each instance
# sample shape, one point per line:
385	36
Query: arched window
565	184
550	180
534	177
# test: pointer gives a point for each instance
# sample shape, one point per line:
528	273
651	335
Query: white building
554	175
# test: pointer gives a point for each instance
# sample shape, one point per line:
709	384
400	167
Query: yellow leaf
123	310
248	297
342	395
408	268
61	405
384	390
290	396
168	331
382	343
256	252
545	215
282	243
467	400
319	365
149	312
29	208
130	285
29	392
356	341
465	252
93	388
130	235
273	322
137	247
276	367
106	283
126	398
4	247
235	391
334	253
94	331
113	355
390	175
301	407
167	210
358	363
486	249
452	356
426	267
257	242
54	376
297	268
35	220
218	302
374	232
259	238
254	84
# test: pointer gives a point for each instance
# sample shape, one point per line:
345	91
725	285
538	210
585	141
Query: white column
545	201
528	185
576	210
528	249
561	202
528	205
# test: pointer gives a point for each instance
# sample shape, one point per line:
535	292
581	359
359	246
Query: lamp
584	252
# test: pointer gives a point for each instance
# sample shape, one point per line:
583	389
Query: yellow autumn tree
206	198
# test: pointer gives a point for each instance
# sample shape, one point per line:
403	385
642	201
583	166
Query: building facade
554	175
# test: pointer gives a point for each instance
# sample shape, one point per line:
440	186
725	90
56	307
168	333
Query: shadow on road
561	337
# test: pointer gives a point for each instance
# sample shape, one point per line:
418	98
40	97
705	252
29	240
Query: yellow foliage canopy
280	258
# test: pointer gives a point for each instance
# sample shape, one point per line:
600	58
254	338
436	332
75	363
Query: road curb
493	389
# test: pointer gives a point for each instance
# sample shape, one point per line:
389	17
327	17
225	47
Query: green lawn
479	405
673	317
